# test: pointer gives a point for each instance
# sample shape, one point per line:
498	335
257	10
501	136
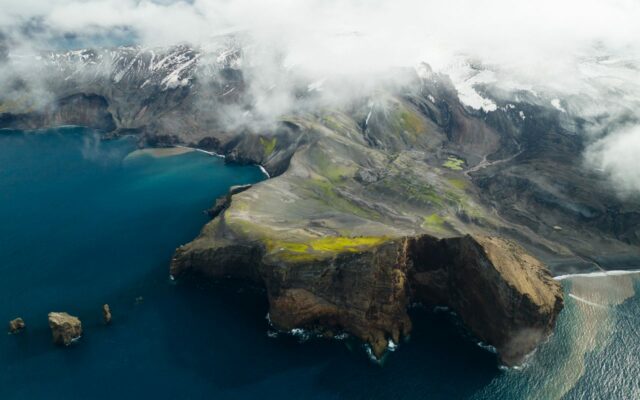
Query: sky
587	49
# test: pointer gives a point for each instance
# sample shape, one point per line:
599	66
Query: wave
591	303
211	153
599	274
264	171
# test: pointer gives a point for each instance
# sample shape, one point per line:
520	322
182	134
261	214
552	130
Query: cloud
617	156
358	34
584	52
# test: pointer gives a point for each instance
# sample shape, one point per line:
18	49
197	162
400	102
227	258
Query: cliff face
505	296
363	286
80	109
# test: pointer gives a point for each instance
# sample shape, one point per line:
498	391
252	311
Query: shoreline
213	153
599	274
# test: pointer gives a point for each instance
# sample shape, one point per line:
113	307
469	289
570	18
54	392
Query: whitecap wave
487	347
211	153
599	274
264	171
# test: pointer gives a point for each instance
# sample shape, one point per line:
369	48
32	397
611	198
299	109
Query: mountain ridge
408	160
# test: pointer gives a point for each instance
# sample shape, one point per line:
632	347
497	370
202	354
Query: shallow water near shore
83	223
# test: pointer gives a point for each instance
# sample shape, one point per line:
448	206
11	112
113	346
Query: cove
85	222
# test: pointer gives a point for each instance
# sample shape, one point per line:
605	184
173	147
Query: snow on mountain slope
137	67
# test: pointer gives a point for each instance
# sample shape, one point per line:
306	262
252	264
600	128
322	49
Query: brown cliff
504	296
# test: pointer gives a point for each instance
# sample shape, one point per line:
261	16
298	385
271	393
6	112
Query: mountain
402	195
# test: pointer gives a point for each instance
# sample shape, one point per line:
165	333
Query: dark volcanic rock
16	325
503	295
223	202
506	297
65	328
78	109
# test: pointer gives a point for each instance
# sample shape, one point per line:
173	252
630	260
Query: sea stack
65	328
106	314
16	325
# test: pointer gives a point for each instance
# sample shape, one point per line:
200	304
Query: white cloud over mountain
587	50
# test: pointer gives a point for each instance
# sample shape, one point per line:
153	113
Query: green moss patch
269	145
325	192
411	122
320	248
453	163
434	223
458	183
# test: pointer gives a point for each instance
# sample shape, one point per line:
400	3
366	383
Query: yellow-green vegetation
411	189
328	168
411	122
463	203
339	244
445	197
453	163
402	121
320	248
339	122
326	193
434	221
269	145
458	183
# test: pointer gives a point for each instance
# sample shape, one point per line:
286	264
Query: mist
581	57
617	155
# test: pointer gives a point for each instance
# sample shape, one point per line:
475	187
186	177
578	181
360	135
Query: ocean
85	222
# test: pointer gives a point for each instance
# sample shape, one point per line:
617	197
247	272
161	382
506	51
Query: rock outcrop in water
223	202
16	325
400	197
106	314
65	328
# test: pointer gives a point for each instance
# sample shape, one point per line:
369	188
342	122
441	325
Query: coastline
213	153
599	274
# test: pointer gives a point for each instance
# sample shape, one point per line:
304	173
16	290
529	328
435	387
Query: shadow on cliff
215	333
228	324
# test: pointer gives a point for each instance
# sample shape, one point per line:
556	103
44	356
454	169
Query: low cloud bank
584	55
617	156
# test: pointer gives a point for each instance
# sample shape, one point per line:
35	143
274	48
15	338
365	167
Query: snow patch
465	78
556	104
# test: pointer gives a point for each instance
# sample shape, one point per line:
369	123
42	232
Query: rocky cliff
364	285
65	328
402	195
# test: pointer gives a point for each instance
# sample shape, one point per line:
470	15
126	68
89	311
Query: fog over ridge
584	54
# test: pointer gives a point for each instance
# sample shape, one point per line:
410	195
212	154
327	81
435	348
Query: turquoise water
82	224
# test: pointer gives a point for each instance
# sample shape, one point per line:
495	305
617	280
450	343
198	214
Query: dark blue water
82	224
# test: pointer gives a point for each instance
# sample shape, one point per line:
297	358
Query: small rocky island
16	325
403	195
65	328
106	314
